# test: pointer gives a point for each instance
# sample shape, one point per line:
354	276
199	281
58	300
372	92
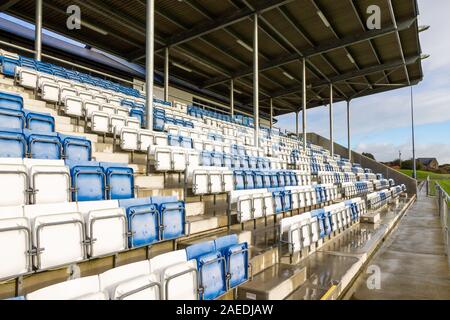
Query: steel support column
331	122
413	136
232	97
349	145
38	31
166	74
149	63
297	131
304	102
271	113
256	78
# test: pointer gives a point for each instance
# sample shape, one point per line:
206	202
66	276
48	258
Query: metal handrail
443	202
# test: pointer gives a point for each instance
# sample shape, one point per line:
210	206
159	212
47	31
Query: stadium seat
49	181
13	183
73	106
143	221
119	180
15	239
12	143
43	145
76	148
172	219
130	282
87	288
58	234
106	227
88	181
40	122
100	122
12	119
11	101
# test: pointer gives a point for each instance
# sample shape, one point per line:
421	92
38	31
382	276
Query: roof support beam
8	4
321	49
350	75
220	23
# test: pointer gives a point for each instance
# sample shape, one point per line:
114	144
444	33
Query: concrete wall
389	173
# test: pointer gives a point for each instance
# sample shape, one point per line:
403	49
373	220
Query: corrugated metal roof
203	35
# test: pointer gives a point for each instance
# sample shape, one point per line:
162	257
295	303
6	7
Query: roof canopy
213	39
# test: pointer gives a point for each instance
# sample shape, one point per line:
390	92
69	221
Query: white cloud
389	151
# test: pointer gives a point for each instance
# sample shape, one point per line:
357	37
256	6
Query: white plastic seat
160	139
65	92
15	242
73	106
106	227
100	122
129	139
117	122
49	91
13	184
100	98
133	123
85	95
49	180
146	139
145	287
27	78
89	107
43	77
200	182
86	288
109	109
215	182
112	279
180	281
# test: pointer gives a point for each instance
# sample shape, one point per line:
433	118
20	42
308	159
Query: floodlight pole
232	97
166	74
256	78
149	63
304	102
331	122
38	31
413	136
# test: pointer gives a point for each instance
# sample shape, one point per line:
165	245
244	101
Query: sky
381	124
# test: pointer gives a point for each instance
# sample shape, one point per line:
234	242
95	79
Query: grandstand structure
181	187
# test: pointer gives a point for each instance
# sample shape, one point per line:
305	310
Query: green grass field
442	179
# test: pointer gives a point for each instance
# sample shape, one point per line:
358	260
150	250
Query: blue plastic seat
13	119
143	221
120	181
158	122
138	114
173	141
217	159
43	145
42	122
186	142
12	143
259	179
172	218
9	66
274	180
267	183
88	181
76	148
321	218
249	180
227	161
278	197
239	180
281	179
205	158
11	101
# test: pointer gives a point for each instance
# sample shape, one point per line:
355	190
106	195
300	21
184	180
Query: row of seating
335	177
356	189
39	237
31	181
379	199
24	119
307	229
23	143
268	202
253	179
9	63
201	271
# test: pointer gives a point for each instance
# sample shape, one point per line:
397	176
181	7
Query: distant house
429	163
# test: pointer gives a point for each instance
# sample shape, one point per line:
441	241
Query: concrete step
153	181
206	223
111	157
274	283
195	209
167	192
138	169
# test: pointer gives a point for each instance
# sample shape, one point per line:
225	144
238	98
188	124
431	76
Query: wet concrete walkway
412	261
